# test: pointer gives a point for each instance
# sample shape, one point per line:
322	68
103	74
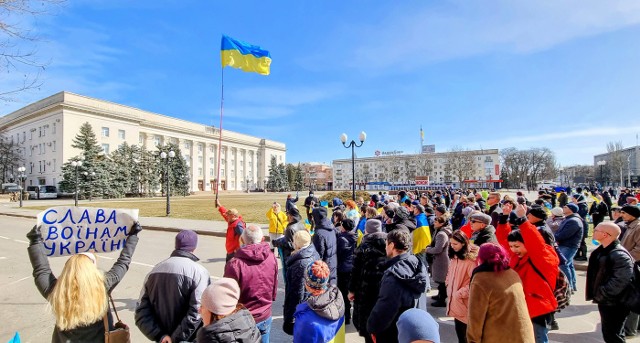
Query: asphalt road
24	310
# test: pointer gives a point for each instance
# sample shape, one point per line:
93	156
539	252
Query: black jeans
612	322
461	331
343	286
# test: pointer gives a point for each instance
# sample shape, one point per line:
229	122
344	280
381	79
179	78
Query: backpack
561	291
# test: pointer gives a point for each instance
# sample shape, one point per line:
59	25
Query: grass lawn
252	206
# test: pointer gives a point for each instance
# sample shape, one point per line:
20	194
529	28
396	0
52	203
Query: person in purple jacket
255	268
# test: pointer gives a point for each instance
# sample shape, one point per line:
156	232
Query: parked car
42	192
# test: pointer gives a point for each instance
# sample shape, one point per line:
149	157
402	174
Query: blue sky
475	74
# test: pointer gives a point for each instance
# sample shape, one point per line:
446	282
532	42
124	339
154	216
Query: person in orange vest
235	226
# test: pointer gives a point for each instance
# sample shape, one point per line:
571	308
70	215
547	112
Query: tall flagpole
220	139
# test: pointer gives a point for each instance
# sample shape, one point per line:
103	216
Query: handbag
120	332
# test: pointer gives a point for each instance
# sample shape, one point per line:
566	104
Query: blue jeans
540	333
568	269
265	328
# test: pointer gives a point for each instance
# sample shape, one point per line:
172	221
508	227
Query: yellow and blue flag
244	56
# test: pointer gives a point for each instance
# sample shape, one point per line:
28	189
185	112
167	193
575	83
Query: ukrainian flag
241	55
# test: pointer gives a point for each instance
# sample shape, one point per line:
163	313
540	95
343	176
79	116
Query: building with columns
43	133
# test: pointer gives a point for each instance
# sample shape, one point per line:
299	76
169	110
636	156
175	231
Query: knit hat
317	277
347	224
221	297
441	209
293	212
572	207
319	213
538	212
415	202
631	210
415	324
557	212
373	225
401	213
481	217
186	240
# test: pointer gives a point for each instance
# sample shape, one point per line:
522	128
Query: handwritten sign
71	230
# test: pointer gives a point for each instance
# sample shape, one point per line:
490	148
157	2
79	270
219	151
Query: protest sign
68	230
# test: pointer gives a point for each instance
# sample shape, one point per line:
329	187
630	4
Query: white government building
43	132
390	170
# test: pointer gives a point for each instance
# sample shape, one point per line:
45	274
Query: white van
42	192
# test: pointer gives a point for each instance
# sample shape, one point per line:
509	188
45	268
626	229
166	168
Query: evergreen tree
298	182
291	174
272	184
149	173
92	162
283	186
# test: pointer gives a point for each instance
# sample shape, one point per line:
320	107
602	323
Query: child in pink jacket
458	279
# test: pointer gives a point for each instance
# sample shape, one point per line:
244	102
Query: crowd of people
502	267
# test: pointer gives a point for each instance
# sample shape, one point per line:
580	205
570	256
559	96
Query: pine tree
92	162
282	178
298	181
272	184
178	171
291	174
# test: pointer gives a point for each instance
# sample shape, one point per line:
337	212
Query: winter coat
497	308
346	246
631	240
255	268
422	234
563	199
457	217
277	221
404	282
609	273
569	233
458	280
45	282
482	204
408	224
495	211
324	240
295	292
286	243
488	234
291	203
554	223
171	298
598	211
238	327
320	319
538	292
369	264
234	230
439	251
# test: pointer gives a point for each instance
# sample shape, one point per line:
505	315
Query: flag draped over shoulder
244	56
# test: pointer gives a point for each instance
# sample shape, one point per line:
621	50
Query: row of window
42	132
105	133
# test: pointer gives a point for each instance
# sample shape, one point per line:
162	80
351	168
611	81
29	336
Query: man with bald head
609	273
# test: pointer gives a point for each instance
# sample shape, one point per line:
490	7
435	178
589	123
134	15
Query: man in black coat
609	273
403	286
309	203
324	239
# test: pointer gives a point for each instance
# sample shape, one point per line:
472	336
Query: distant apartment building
618	168
43	132
471	168
317	176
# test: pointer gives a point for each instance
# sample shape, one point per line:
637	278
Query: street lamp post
166	157
353	145
76	165
601	163
22	179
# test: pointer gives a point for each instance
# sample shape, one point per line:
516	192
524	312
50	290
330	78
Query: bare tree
18	52
617	160
524	168
459	164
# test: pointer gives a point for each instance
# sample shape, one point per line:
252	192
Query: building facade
317	176
43	133
618	168
472	168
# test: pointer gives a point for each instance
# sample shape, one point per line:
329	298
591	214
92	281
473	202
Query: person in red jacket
235	226
538	272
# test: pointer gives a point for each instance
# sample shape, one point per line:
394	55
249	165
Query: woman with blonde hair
79	297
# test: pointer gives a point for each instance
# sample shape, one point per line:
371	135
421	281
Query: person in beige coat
458	279
497	307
